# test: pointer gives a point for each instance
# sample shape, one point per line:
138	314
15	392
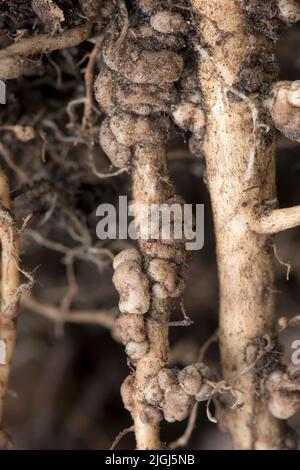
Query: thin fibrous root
277	221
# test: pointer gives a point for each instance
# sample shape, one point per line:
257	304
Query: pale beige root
10	284
277	220
150	186
12	57
104	318
46	43
240	155
89	84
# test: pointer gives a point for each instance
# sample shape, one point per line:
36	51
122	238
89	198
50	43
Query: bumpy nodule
136	87
171	394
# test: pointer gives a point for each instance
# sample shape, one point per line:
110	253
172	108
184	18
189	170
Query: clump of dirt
262	17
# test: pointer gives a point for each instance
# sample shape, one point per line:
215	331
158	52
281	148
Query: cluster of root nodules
282	387
138	283
284	392
142	84
171	394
